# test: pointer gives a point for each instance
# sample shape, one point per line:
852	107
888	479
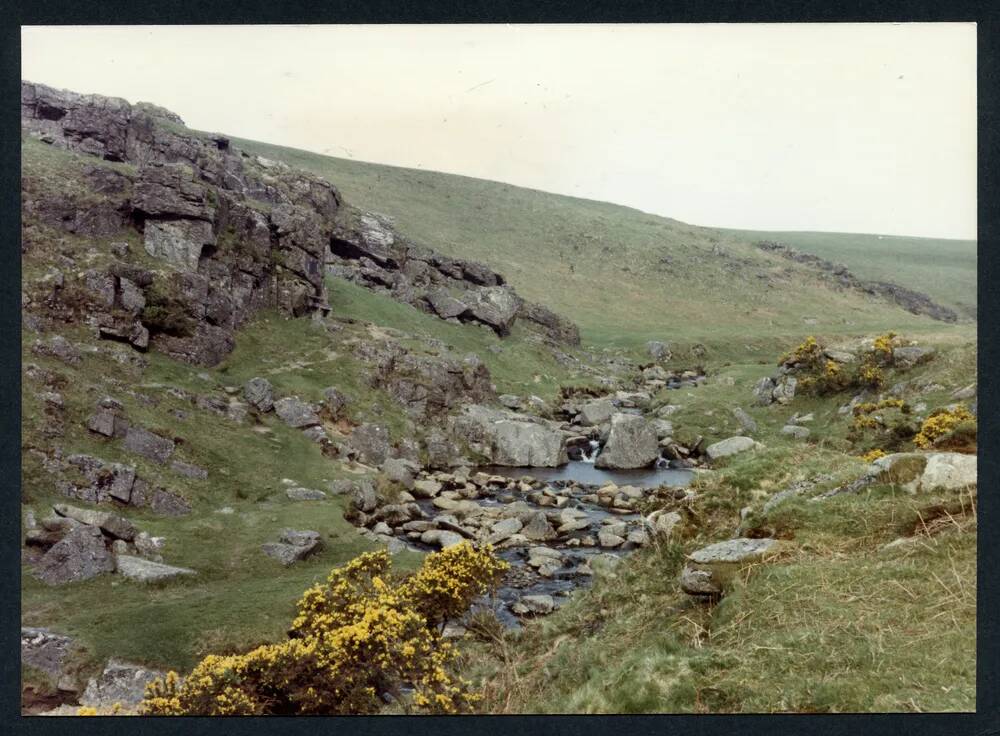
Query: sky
834	127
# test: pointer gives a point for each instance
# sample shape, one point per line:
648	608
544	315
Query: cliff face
236	233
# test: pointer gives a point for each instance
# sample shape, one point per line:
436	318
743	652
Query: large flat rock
917	472
147	571
730	446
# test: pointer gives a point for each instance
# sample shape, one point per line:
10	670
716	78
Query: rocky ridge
838	274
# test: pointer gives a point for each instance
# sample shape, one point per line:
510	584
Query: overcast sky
860	128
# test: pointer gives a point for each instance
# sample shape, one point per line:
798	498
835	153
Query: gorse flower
808	354
353	638
942	423
873	455
820	375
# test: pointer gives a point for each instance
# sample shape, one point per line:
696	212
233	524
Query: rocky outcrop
780	389
508	438
657	350
51	653
557	328
80	555
147	571
94	480
259	393
425	384
293	546
906	357
368	251
369	443
838	274
240	233
730	446
80	543
296	413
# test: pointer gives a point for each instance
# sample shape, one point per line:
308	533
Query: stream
568	557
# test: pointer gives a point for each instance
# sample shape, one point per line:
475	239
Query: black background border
173	12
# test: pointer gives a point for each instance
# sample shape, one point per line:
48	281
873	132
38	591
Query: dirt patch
34	702
932	520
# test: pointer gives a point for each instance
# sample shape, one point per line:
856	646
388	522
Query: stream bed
573	519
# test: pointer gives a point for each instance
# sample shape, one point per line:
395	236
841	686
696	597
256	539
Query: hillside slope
943	269
623	275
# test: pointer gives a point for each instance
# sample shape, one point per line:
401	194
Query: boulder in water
537	605
538	528
596	412
631	443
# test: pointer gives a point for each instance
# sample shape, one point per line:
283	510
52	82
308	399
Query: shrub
882	348
354	638
448	582
948	427
873	455
869	374
888	420
807	355
821	376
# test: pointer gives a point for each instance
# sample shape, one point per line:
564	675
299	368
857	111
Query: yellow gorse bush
820	375
866	416
353	638
808	353
882	347
873	455
940	424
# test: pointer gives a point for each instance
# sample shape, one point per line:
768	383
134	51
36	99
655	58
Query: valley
723	479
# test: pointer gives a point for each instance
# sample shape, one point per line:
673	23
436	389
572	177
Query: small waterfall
588	457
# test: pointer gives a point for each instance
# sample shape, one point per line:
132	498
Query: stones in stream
550	532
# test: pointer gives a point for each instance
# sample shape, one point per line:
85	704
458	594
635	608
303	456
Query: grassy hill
623	275
943	269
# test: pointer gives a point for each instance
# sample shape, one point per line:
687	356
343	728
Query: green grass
832	625
518	364
943	269
239	596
